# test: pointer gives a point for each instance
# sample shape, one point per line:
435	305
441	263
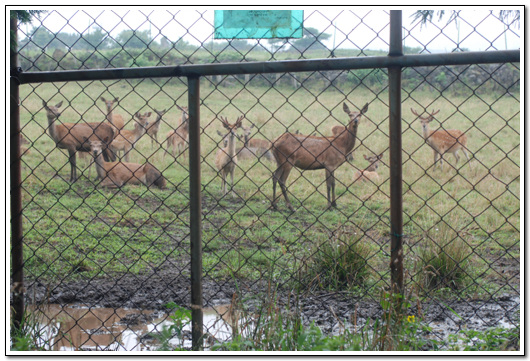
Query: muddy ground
154	291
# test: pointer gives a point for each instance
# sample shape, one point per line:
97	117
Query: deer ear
59	104
148	114
103	99
44	104
365	157
117	99
346	108
364	109
219	132
381	155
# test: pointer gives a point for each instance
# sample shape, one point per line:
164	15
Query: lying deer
370	173
442	141
178	139
115	120
226	158
126	140
117	174
253	148
72	136
311	153
153	128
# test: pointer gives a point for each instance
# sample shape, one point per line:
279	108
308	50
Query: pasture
81	231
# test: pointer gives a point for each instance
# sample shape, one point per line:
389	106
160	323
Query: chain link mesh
91	252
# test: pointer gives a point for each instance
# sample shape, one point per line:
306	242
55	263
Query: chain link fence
106	252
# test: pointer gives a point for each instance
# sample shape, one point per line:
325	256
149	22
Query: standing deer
72	136
115	120
155	126
117	174
226	158
254	148
339	129
369	173
311	153
126	140
178	139
442	141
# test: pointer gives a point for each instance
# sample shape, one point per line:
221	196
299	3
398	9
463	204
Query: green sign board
258	24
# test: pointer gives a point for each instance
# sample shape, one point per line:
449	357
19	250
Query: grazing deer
72	136
155	126
442	141
178	139
370	173
226	158
117	174
254	148
126	140
115	120
311	153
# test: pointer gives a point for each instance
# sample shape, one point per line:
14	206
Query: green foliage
180	319
493	339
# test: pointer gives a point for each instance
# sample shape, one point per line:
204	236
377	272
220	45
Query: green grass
78	230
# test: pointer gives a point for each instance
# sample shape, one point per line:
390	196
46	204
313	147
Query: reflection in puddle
78	328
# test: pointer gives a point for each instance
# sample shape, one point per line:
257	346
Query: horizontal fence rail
291	66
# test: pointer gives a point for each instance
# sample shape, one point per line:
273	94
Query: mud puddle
79	328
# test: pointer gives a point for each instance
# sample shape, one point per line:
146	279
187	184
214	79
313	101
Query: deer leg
73	166
330	187
232	171
283	181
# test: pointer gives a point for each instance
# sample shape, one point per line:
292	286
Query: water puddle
78	328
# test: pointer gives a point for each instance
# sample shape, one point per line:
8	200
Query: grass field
81	231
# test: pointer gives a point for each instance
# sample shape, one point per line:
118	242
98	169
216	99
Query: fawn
370	173
126	140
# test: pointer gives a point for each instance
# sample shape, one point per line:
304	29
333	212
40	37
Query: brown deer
369	173
442	140
254	148
126	140
177	139
311	153
72	136
115	120
226	158
117	174
153	128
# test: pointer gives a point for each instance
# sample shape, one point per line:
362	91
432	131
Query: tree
312	39
425	16
24	17
97	39
134	39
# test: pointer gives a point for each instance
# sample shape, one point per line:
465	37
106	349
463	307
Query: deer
115	120
370	172
177	139
72	136
126	140
312	153
118	174
253	148
155	126
226	158
442	140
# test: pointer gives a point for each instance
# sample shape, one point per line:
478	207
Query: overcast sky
349	27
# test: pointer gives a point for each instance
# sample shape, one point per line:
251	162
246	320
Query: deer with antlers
226	158
442	140
72	136
177	139
369	173
118	174
115	120
312	153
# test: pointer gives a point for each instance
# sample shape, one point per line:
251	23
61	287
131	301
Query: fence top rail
289	66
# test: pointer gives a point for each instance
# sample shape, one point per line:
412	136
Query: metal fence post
396	176
195	212
17	257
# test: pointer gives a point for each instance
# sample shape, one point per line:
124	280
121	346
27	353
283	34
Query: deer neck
52	127
138	132
350	137
426	132
231	144
109	115
100	165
